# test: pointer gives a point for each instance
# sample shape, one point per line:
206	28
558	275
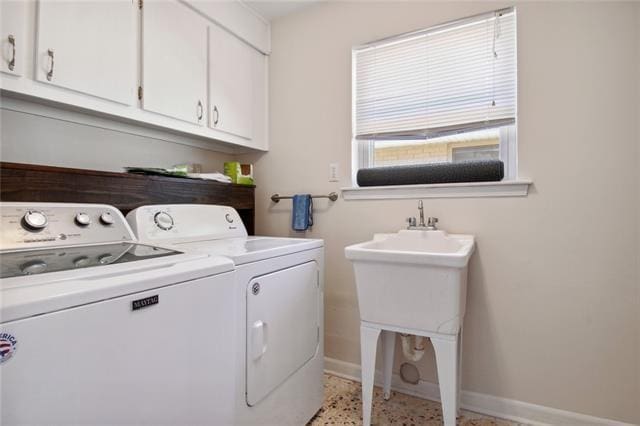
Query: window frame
363	150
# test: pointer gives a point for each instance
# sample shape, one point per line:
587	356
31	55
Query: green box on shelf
239	173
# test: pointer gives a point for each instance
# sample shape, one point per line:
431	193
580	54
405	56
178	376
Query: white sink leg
446	351
368	347
459	385
388	348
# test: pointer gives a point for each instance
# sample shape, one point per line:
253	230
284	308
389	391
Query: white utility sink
413	279
412	246
412	282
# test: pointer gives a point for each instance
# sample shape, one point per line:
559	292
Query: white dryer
98	329
279	296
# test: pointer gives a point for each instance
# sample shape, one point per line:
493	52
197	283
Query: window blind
451	78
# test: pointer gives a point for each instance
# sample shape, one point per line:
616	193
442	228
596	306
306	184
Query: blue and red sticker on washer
8	346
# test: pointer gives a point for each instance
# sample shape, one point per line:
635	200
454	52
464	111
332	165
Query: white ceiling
271	10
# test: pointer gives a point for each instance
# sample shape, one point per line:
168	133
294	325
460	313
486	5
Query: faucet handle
411	221
431	222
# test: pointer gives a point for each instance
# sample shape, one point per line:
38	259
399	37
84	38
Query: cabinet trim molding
55	111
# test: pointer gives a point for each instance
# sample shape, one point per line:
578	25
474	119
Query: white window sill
506	188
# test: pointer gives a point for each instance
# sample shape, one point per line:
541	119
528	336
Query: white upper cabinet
230	83
88	46
260	108
196	68
174	61
239	19
12	30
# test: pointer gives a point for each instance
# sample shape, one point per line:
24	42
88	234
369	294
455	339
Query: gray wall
552	313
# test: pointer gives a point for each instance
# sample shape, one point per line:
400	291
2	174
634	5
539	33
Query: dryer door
282	327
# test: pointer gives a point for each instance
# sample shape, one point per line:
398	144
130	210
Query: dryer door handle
258	339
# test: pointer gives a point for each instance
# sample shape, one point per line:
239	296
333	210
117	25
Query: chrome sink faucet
431	221
421	211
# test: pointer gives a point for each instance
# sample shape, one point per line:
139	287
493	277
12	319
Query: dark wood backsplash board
37	183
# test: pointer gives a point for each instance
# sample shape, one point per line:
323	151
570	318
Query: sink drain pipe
413	352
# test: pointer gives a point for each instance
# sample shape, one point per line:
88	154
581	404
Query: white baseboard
509	409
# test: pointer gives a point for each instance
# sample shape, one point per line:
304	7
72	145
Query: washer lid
250	249
47	260
25	296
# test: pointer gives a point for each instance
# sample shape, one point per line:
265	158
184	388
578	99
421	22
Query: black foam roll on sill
467	171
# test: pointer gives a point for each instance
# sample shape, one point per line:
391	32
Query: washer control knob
163	220
81	262
229	218
106	218
83	219
34	220
106	258
33	267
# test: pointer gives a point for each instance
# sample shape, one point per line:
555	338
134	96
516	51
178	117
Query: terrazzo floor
342	406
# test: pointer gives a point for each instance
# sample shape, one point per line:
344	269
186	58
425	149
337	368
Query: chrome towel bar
333	196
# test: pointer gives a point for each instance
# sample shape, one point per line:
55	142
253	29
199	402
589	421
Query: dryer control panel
176	222
37	225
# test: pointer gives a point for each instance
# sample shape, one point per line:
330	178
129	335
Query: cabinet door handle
200	110
50	73
216	115
12	42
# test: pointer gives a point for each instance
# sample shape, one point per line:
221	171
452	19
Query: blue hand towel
302	214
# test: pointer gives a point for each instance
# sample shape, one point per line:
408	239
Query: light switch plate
334	175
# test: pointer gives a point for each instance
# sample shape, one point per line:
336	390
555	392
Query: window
445	94
475	152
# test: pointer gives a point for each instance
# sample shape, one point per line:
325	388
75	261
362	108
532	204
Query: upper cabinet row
162	63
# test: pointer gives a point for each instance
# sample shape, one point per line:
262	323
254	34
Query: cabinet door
174	61
230	83
88	46
13	15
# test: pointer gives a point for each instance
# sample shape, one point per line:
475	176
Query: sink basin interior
432	242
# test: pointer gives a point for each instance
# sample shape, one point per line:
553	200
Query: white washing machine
98	329
279	296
